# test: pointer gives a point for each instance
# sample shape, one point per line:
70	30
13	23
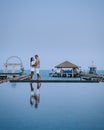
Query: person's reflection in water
35	95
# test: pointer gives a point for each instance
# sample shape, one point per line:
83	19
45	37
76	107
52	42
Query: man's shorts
37	70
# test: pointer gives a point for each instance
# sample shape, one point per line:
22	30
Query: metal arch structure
14	57
13	64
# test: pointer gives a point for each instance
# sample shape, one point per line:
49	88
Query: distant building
92	68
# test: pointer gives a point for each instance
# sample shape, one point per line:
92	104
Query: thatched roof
66	64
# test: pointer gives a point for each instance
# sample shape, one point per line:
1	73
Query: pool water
52	106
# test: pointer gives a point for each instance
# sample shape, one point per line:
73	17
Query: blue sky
56	30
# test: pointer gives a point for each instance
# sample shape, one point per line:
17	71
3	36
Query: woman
32	67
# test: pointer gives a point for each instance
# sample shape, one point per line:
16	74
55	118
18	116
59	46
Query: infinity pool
52	106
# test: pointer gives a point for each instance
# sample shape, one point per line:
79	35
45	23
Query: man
37	66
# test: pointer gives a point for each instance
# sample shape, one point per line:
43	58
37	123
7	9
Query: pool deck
25	78
54	81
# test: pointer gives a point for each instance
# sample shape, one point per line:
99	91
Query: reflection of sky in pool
62	106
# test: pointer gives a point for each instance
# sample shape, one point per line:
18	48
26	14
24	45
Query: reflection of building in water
13	84
35	95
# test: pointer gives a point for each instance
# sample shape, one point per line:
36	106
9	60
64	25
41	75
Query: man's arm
34	65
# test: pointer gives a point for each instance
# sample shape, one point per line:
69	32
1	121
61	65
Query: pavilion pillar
72	72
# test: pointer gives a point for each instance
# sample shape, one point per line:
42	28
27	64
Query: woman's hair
31	59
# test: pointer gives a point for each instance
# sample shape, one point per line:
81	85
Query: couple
35	64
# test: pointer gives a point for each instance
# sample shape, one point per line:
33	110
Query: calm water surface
52	106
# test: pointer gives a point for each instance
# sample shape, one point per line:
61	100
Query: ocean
52	106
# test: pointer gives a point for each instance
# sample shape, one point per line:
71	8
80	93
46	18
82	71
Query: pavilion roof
66	64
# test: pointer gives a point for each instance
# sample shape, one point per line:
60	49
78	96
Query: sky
56	30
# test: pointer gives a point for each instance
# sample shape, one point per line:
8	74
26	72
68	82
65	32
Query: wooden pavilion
65	69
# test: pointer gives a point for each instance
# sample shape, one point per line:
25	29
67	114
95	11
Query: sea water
57	106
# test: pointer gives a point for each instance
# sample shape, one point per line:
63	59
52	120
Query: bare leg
38	76
31	76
